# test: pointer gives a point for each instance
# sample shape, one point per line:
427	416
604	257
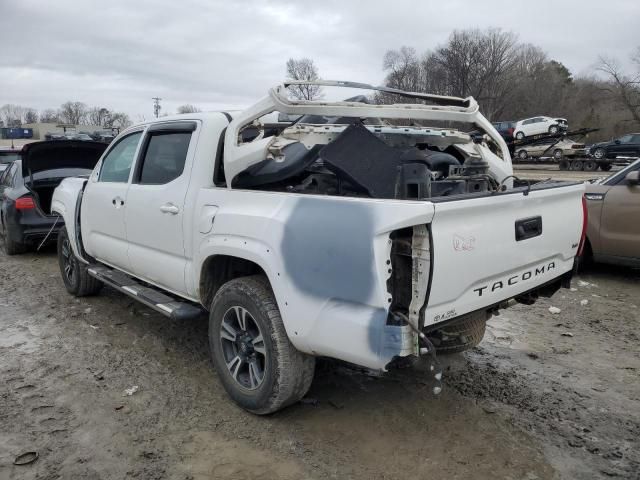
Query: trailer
550	140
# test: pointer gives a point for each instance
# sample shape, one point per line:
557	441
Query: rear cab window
164	153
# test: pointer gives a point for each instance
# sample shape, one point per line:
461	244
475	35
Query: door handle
169	208
117	202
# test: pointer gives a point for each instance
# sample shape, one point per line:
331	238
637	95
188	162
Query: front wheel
553	129
76	279
599	153
258	365
520	135
522	154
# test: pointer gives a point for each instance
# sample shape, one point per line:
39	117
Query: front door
155	204
105	202
620	225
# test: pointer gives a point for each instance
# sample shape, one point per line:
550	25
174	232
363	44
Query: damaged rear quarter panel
326	258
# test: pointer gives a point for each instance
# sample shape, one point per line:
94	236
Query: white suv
538	125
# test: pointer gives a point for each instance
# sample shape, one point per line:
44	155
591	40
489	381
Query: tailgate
490	249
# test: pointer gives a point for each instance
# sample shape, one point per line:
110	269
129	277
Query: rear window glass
164	158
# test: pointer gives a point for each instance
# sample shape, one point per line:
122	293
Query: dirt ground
545	395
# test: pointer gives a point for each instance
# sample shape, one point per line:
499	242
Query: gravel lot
544	396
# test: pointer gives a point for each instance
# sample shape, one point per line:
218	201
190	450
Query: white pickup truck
359	232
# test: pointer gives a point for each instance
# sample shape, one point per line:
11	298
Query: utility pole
156	106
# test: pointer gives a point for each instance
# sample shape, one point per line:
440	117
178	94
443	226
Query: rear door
105	201
155	204
620	147
495	247
620	220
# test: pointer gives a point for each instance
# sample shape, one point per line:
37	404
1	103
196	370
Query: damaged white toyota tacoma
371	233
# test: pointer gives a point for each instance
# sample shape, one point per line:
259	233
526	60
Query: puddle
19	338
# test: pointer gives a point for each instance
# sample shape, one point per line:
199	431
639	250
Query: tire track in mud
607	442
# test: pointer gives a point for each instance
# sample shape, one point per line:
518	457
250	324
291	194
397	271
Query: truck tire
463	334
605	167
590	165
576	165
74	273
256	362
564	165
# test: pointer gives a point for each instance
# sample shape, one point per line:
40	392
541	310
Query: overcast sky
224	54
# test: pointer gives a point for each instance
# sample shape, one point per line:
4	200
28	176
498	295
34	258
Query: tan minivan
613	231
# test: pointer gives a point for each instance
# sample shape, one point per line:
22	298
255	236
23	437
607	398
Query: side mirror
633	178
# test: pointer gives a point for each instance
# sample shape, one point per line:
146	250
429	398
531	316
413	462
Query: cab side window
164	157
117	164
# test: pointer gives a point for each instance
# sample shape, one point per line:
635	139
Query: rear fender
66	201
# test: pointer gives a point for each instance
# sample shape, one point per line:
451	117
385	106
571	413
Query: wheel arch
218	269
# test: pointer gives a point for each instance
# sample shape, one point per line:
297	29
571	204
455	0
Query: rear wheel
76	279
557	154
11	247
461	335
522	154
590	165
258	365
576	165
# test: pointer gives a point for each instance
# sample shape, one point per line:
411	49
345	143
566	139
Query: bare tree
74	113
12	115
303	69
118	120
624	88
49	116
30	116
188	108
98	116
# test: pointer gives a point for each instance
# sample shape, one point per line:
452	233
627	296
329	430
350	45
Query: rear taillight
25	203
583	237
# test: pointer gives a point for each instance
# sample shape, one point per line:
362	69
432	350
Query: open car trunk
46	164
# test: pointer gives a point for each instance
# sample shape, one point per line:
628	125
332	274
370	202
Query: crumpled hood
48	155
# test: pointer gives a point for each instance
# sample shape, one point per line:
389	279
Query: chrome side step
151	297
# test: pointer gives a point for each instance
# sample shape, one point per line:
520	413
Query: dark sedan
26	190
626	146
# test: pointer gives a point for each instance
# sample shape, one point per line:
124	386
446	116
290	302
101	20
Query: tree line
76	113
510	80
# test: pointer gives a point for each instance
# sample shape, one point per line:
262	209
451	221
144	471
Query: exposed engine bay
350	158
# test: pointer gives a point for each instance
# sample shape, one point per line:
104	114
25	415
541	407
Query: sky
226	54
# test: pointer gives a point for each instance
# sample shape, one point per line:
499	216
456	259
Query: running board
150	297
